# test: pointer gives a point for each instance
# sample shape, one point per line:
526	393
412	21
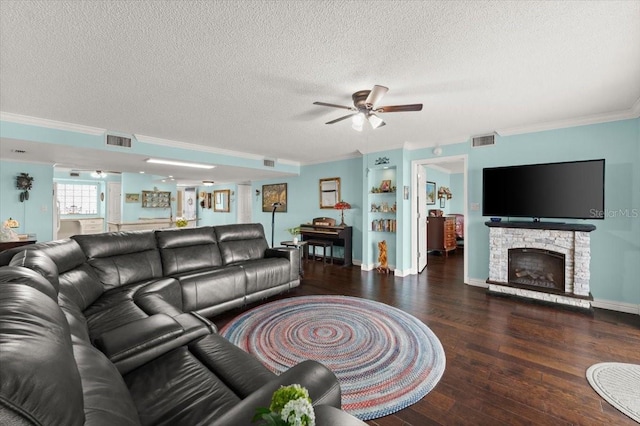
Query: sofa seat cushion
185	250
263	274
241	372
210	287
103	320
178	389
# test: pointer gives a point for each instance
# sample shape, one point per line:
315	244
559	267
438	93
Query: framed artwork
442	203
131	198
431	193
385	186
329	192
275	193
221	200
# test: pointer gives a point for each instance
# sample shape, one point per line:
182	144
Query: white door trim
414	215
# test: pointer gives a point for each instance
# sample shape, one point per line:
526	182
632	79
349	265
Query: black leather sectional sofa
111	329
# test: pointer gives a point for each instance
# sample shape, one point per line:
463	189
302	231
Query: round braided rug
384	358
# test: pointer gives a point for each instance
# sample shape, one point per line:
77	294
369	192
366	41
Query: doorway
435	170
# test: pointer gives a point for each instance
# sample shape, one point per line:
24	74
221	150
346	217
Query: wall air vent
121	141
485	140
74	174
269	163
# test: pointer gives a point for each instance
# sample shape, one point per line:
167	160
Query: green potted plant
295	231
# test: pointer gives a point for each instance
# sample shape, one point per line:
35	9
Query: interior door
421	195
244	203
114	194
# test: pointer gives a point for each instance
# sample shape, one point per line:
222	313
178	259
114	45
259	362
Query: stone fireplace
548	262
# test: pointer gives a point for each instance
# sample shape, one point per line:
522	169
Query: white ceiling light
207	182
375	121
357	121
98	174
179	163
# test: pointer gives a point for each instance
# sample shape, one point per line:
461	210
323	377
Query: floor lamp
273	219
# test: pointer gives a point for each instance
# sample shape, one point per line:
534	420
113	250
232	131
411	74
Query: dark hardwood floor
509	362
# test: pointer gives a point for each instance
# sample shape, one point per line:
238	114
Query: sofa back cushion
239	243
77	281
121	258
40	379
185	250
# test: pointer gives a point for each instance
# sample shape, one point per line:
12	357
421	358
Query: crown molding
50	124
633	112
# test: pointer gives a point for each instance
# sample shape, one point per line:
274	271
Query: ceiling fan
97	174
365	107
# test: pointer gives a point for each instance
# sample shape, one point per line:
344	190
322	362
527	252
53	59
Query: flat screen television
569	190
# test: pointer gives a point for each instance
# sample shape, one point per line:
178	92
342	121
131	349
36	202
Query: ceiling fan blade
341	118
334	105
400	108
376	94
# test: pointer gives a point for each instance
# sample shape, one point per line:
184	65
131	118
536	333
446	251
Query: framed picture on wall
132	198
275	193
431	193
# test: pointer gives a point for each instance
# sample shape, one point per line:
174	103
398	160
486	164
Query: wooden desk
6	245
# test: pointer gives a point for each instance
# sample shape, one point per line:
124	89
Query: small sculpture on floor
382	258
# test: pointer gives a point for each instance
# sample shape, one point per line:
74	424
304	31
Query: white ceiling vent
121	141
485	140
269	163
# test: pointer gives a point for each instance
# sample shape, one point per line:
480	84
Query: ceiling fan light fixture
375	121
357	121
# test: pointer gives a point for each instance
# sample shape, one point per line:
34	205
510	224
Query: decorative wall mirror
221	200
329	192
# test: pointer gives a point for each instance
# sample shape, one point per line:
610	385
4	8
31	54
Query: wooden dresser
441	233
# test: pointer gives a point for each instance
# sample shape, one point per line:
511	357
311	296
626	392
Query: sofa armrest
138	342
289	253
321	383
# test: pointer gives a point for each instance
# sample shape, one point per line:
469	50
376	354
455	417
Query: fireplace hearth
546	262
532	267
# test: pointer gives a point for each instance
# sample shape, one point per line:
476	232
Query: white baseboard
476	282
611	305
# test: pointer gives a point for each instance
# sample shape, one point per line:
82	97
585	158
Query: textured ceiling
242	75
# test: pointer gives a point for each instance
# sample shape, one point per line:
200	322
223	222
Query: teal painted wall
303	200
615	243
209	217
456	203
441	179
35	215
135	183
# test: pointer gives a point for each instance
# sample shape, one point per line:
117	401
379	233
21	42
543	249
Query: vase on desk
295	240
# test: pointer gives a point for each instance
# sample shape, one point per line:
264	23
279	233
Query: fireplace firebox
533	267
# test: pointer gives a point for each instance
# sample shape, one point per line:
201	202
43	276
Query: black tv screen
570	190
